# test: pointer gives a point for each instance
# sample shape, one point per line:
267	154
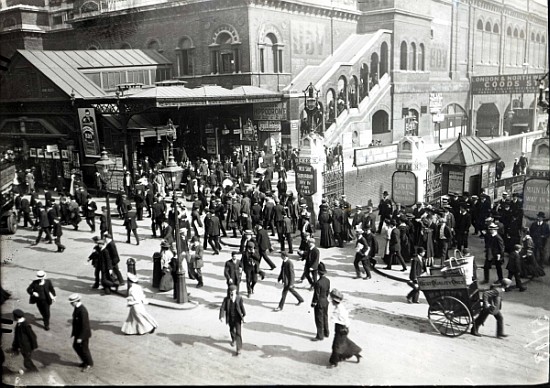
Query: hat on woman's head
132	278
336	295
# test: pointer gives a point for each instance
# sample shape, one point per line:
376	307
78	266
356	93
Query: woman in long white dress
139	321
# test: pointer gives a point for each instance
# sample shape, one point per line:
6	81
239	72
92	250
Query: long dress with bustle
139	321
342	347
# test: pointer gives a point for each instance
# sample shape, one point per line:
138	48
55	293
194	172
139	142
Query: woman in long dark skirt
342	347
325	220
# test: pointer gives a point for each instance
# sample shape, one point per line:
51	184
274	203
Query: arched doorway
352	92
380	122
331	108
487	120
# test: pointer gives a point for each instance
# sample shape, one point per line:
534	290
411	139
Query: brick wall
367	183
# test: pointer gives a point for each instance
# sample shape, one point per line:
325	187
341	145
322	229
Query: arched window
185	56
374	65
352	92
341	102
532	36
516	33
480	24
496	30
537	39
125	46
383	59
521	35
271	55
331	107
364	81
153	45
403	56
412	57
509	31
488	27
224	51
89	6
421	57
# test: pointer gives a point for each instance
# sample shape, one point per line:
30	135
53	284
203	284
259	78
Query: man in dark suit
418	267
514	267
287	278
250	262
462	228
57	232
26	210
320	303
89	209
131	225
338	226
115	258
395	246
233	271
157	216
384	209
81	332
540	232
24	339
264	244
43	225
312	262
213	229
232	309
42	293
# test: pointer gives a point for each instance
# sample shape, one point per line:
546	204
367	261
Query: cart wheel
12	224
449	316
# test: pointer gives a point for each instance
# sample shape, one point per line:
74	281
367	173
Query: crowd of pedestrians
222	204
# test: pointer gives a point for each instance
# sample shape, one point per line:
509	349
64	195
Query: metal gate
433	187
333	181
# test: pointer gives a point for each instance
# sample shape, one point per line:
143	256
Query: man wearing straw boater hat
494	253
42	294
81	332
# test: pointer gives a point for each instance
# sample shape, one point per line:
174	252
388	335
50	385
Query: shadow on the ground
50	358
82	285
273	328
384	318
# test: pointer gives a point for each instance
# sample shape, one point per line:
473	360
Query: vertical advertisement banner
88	130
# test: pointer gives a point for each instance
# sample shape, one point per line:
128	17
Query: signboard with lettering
505	84
211	148
404	188
456	182
441	282
270	111
536	197
88	128
306	179
269	126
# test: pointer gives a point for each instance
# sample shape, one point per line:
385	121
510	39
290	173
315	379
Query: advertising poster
88	130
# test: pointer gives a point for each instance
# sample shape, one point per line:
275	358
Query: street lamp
311	104
544	99
104	168
172	170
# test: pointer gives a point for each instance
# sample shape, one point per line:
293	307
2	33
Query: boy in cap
492	304
232	309
81	332
57	232
24	339
42	294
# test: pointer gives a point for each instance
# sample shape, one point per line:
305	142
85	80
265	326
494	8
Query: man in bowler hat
24	340
81	332
320	303
287	277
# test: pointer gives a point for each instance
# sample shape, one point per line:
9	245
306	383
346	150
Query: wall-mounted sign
404	188
211	148
536	197
436	102
88	128
270	111
456	182
269	126
506	84
306	179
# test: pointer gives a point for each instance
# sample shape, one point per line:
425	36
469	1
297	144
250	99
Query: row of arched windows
412	57
487	45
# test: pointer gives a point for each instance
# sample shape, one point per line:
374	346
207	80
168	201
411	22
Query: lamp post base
181	291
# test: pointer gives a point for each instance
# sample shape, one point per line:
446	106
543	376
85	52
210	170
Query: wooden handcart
453	296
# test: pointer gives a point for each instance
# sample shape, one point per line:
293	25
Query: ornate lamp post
543	100
311	104
104	168
172	170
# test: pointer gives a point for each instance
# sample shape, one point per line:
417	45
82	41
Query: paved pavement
192	347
